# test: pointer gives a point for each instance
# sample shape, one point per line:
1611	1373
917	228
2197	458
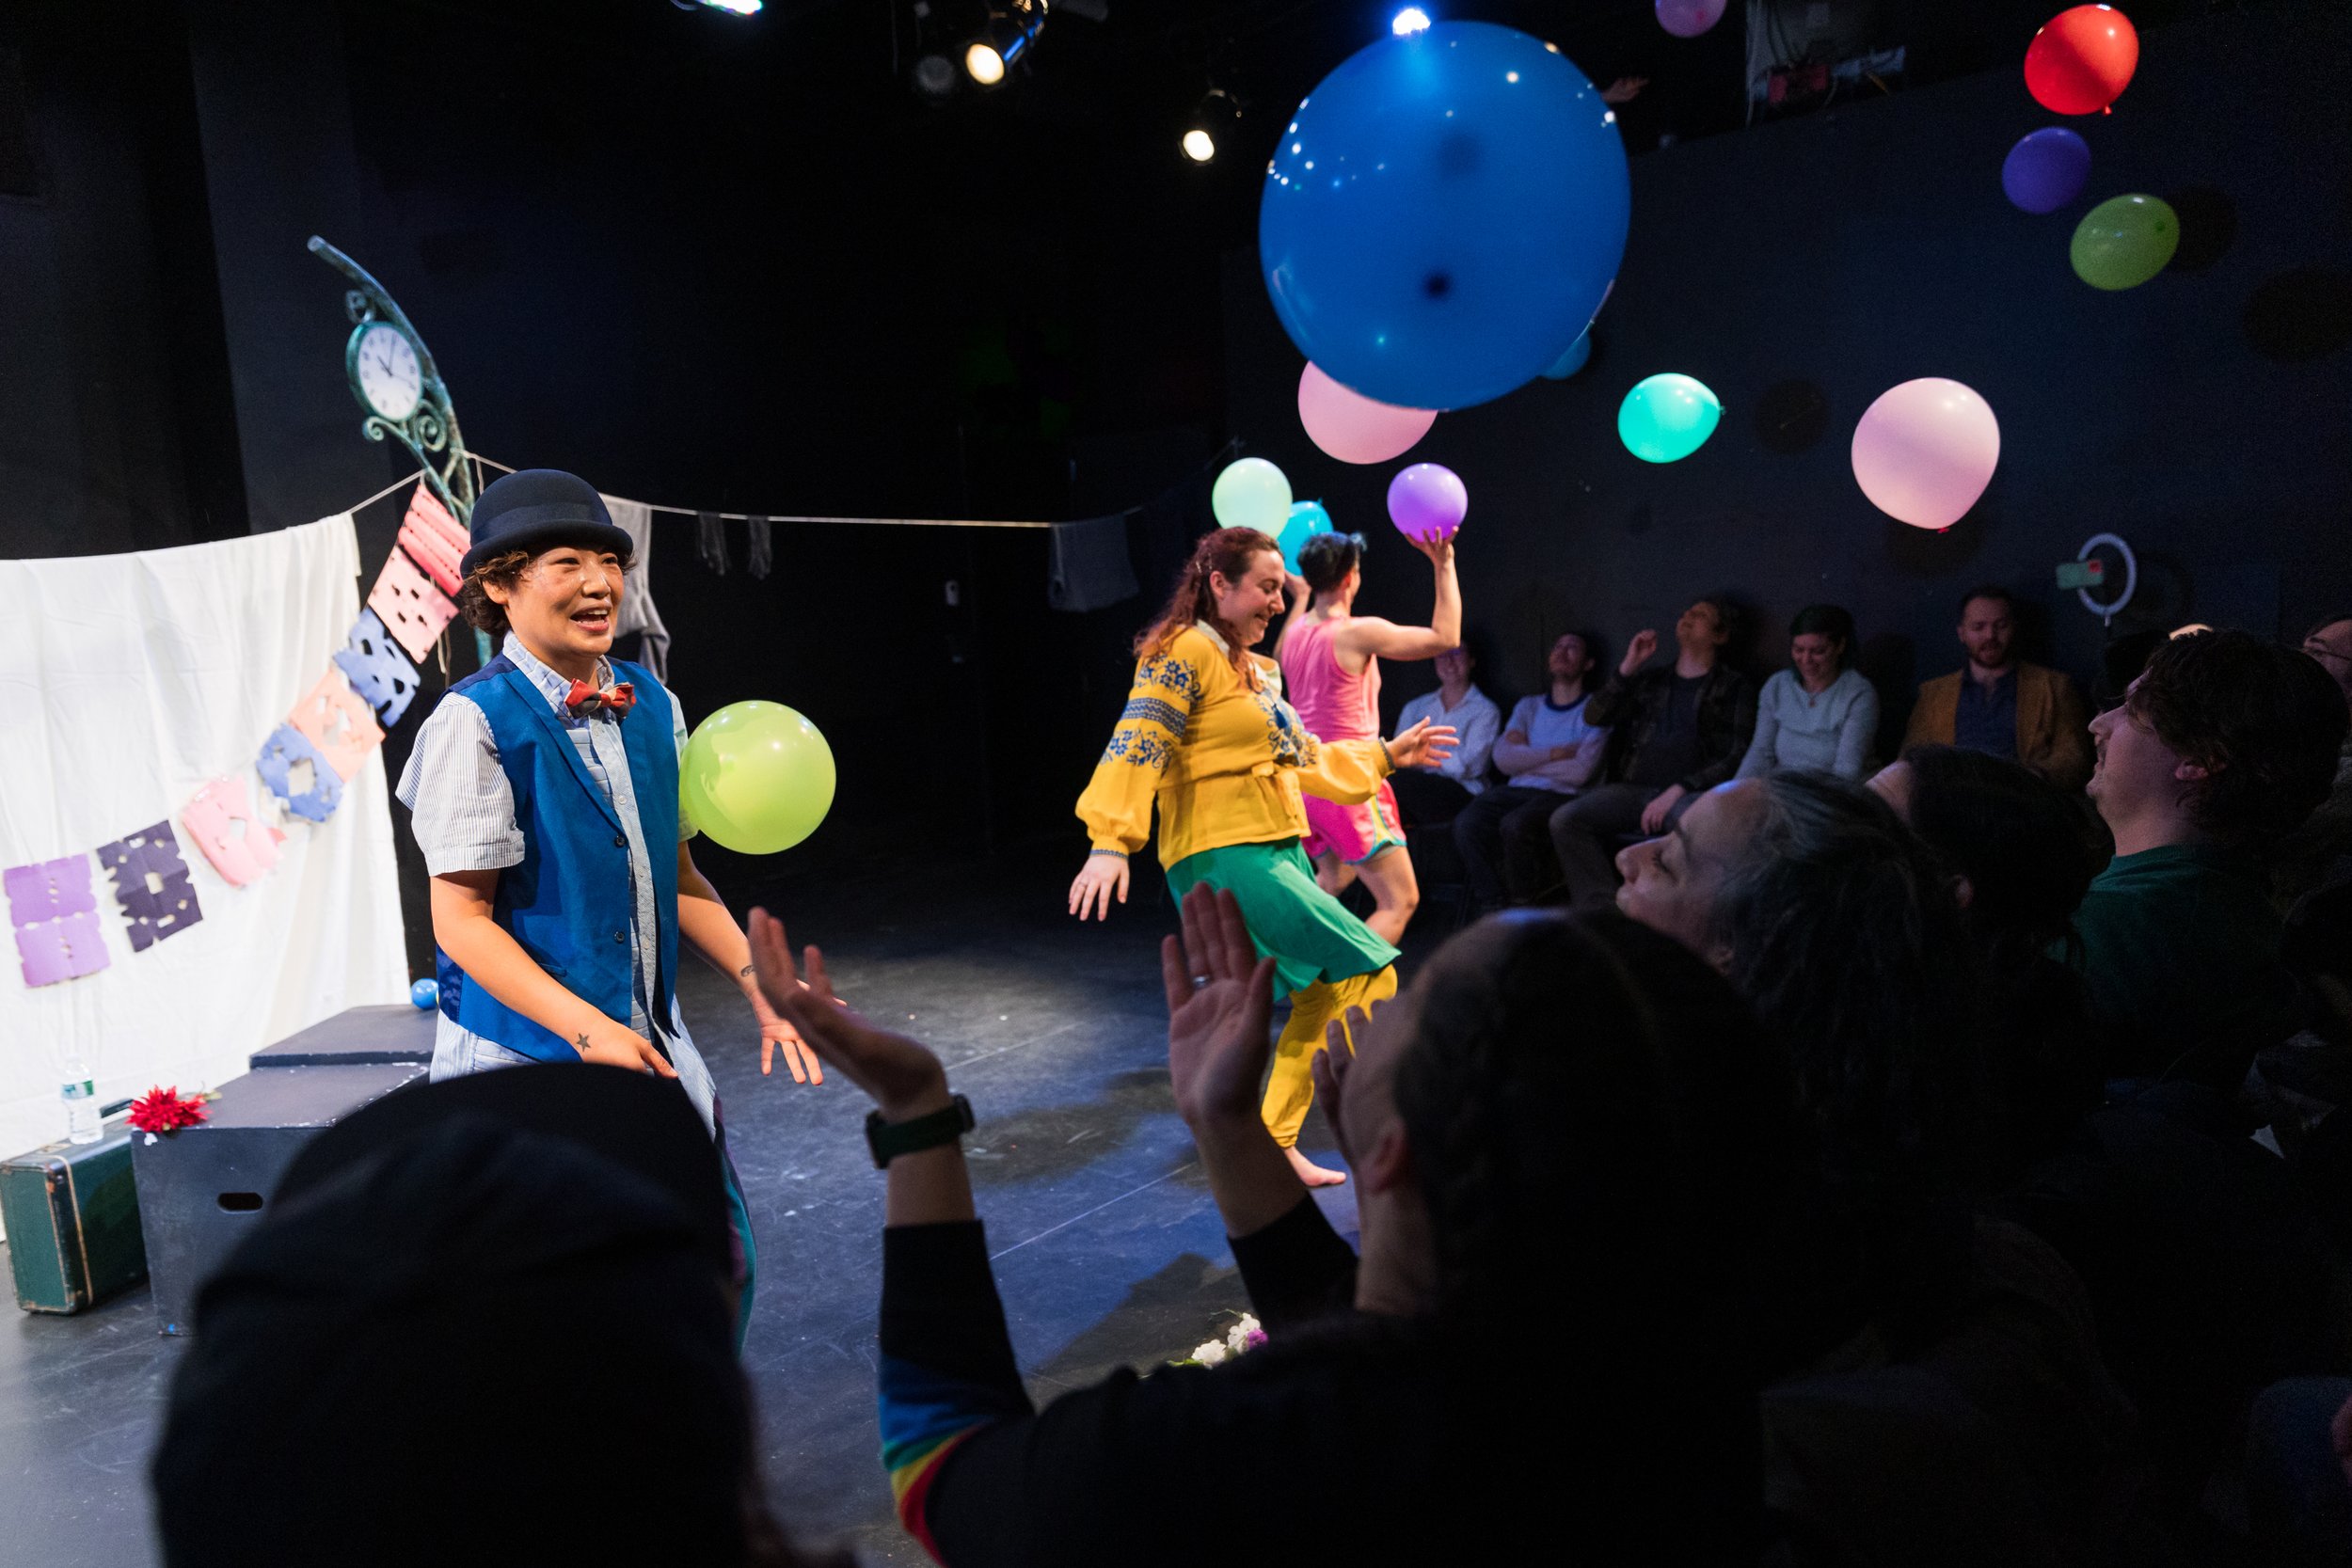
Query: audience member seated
2019	860
1939	1397
2001	705
2223	746
1551	749
485	1321
1434	794
2312	872
1821	712
1685	727
1566	1134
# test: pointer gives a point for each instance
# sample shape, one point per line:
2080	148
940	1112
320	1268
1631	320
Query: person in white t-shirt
1434	794
1548	752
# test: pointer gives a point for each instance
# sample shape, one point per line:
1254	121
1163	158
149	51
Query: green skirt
1308	933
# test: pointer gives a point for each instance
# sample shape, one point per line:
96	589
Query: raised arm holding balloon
1208	745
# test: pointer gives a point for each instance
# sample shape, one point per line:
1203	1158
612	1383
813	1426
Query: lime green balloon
1667	417
2125	240
1251	493
756	777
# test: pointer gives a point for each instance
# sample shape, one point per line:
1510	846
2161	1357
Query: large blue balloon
1579	355
1443	214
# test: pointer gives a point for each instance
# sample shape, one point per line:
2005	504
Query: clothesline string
781	517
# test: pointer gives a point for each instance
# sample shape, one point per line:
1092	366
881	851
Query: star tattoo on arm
580	1042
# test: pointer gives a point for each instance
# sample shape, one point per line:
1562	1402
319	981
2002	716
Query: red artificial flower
165	1111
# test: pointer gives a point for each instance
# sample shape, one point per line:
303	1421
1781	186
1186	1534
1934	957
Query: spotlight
737	8
1010	33
1216	113
934	76
1412	18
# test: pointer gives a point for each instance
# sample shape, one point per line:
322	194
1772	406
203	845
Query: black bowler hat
538	509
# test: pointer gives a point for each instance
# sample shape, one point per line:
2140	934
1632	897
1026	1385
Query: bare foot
1312	1174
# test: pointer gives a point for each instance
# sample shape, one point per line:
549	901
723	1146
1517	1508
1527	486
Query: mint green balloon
1251	493
1667	417
756	777
2125	240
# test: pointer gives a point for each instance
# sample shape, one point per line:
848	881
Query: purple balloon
1688	18
2047	169
1426	501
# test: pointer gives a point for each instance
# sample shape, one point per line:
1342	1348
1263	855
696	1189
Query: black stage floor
1108	1250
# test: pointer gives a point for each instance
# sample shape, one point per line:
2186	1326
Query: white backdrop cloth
126	683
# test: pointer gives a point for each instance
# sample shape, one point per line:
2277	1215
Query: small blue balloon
1443	211
425	993
2047	169
1579	353
1307	519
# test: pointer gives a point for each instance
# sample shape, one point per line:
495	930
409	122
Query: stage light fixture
1010	33
1216	115
934	76
1412	18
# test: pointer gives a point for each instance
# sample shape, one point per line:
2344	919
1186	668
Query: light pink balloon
1925	450
1353	428
1688	18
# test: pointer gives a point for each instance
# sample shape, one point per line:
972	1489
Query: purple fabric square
49	890
56	950
151	884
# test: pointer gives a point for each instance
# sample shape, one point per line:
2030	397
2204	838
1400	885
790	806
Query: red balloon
2082	59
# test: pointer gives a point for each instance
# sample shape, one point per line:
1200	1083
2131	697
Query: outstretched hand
901	1076
1102	877
1424	745
1220	996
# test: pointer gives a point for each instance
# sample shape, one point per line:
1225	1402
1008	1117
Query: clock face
383	362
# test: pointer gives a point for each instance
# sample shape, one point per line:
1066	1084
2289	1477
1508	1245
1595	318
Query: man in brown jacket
2001	705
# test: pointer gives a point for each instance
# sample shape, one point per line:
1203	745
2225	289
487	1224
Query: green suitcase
73	1218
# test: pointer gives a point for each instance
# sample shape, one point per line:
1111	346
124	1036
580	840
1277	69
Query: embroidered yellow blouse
1227	762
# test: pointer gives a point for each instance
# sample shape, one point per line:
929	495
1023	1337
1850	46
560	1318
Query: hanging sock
761	558
713	542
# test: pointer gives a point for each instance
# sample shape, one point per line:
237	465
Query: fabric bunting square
377	670
434	539
220	819
49	890
152	885
299	775
411	606
334	719
56	950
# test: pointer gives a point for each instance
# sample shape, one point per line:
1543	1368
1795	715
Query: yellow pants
1290	1089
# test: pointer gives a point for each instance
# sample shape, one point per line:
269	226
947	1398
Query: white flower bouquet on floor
1246	1334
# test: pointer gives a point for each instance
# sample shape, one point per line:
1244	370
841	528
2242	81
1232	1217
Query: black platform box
203	1188
357	1036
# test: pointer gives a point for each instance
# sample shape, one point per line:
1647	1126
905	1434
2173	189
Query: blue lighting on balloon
1412	18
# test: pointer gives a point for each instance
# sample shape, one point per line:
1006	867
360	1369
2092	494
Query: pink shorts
1357	832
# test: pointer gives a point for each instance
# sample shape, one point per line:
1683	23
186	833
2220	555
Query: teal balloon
1251	493
1580	354
1667	417
1307	519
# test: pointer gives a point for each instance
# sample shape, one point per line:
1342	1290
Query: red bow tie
615	700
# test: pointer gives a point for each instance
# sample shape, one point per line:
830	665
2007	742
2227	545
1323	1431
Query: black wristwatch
888	1140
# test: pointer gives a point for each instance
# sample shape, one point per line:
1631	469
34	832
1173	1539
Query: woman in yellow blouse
1207	738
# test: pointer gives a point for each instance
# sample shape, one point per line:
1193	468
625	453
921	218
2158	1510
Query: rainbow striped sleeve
925	1416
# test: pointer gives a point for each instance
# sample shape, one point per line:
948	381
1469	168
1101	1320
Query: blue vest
568	903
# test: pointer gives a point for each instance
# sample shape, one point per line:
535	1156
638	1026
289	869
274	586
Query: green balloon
2125	240
1667	417
756	777
1251	493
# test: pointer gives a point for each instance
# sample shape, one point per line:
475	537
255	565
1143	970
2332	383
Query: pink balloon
1353	428
1925	450
1688	18
1427	501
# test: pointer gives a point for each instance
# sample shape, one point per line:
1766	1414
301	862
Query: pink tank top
1334	704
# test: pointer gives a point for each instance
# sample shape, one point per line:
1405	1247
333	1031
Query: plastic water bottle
80	1094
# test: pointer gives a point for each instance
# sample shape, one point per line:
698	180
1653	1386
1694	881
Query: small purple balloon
1688	18
2047	169
1427	501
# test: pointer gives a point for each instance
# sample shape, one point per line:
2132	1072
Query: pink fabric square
334	718
220	819
434	539
411	606
58	950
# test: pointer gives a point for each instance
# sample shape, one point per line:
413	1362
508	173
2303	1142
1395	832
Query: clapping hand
1330	1068
1220	995
900	1075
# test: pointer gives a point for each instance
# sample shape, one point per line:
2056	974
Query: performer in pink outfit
1331	659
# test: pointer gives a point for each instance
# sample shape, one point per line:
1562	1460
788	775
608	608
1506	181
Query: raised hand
1438	547
1330	1068
1102	877
1638	651
1424	745
1220	995
901	1076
